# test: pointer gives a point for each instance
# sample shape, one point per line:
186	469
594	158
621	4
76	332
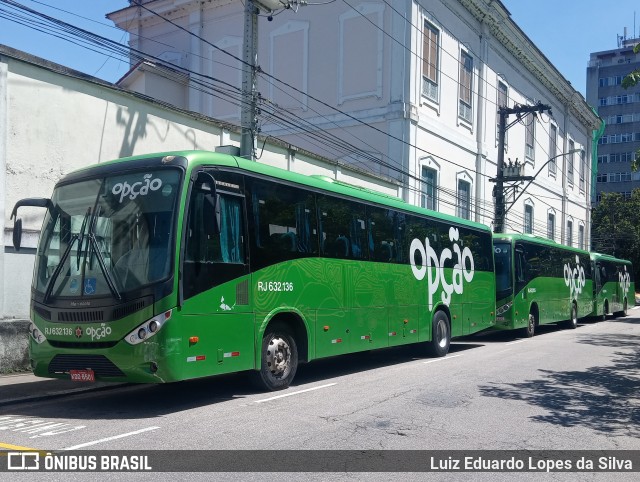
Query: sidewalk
26	387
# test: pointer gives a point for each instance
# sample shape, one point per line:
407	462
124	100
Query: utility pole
250	68
249	93
513	174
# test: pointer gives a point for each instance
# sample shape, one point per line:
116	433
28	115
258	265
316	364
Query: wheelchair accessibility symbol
89	286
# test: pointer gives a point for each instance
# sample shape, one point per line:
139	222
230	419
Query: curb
61	393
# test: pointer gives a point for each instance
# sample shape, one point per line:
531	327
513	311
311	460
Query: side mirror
17	233
17	223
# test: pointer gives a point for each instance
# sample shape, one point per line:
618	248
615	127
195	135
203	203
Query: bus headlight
503	309
36	334
147	329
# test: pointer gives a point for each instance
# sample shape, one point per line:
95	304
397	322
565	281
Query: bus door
597	287
217	325
521	296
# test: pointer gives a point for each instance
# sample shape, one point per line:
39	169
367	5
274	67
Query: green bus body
239	258
539	281
614	286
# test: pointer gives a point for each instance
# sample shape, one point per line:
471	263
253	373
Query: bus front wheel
279	359
605	310
530	329
440	335
624	311
572	322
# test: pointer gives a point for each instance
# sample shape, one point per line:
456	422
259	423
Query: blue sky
89	15
566	31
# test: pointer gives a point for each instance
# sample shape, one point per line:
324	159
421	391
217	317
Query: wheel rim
278	357
574	315
441	333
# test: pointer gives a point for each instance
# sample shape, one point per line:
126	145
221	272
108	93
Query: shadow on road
602	398
145	401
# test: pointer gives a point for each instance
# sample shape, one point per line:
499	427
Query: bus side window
342	228
282	223
380	234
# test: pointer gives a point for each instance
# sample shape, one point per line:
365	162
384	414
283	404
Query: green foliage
631	80
616	227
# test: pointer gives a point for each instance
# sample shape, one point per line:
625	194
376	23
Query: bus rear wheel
279	360
440	335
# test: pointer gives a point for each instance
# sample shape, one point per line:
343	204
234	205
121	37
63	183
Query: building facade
408	90
620	109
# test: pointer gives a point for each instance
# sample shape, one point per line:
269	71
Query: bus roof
530	238
608	257
195	159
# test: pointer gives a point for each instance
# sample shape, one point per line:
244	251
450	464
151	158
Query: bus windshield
502	256
108	236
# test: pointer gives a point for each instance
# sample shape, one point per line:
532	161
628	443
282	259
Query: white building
408	89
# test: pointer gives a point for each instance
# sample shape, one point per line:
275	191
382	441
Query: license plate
82	375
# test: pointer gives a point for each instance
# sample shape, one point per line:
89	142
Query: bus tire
440	335
624	311
279	359
572	322
530	329
605	310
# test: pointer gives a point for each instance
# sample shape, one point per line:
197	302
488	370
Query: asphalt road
561	390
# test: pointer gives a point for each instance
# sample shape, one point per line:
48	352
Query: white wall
53	123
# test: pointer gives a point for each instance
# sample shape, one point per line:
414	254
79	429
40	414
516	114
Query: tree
631	80
615	227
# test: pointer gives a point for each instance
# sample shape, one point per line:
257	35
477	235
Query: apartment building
620	110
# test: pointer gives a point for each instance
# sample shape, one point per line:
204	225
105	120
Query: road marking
36	427
295	393
514	342
18	447
108	439
440	359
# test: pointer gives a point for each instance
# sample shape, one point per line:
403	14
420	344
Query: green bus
539	281
180	265
614	287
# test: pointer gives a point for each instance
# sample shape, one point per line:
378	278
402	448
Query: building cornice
499	22
163	9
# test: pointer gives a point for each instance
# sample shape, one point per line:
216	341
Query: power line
346	147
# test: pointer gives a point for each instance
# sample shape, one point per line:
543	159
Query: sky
566	31
88	15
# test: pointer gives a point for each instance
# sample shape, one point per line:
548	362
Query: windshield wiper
56	273
81	238
95	248
103	266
